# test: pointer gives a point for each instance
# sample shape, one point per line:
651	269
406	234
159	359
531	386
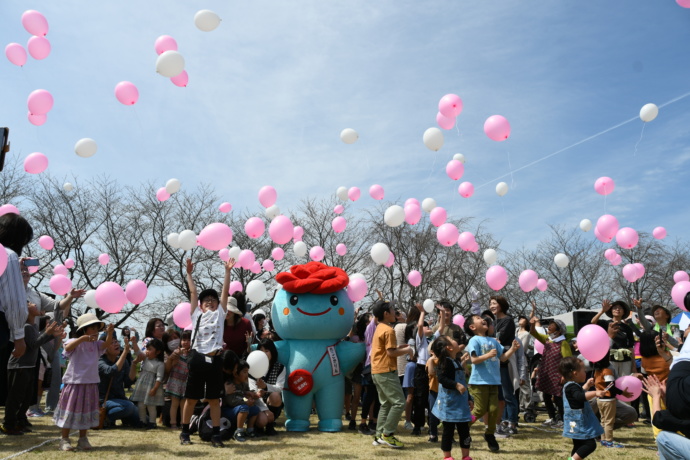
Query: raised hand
190	266
77	293
605	305
228	265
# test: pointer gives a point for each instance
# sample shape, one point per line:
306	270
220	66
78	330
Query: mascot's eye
293	300
334	300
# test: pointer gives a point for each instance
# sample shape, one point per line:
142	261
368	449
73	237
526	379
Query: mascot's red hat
313	278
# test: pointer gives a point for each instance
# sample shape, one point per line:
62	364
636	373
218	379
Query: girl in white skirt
78	406
148	392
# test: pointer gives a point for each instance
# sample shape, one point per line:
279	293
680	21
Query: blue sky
272	87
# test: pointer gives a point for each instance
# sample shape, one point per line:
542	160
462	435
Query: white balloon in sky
501	188
341	193
186	240
357	275
170	64
585	225
561	260
300	248
648	112
85	147
394	216
68	187
234	252
90	298
380	253
428	305
433	139
256	291
172	186
272	212
349	136
206	20
428	204
173	240
459	157
490	256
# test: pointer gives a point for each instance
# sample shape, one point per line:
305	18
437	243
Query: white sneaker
548	422
83	444
409	426
65	445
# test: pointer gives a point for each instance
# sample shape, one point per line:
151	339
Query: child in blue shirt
486	354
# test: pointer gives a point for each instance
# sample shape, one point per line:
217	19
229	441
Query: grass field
533	442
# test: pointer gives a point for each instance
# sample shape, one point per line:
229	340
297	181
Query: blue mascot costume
313	314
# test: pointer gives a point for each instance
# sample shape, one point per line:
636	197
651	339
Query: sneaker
391	441
37	412
83	444
239	436
491	442
184	439
432	439
372	425
501	432
65	445
612	444
11	431
251	433
409	426
511	429
353	425
377	441
548	422
216	441
558	424
364	429
416	432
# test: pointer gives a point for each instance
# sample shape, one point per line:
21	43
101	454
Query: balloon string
640	139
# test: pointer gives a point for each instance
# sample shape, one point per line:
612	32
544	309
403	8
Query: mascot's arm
283	347
349	355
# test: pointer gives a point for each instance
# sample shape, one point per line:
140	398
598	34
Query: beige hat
232	306
87	320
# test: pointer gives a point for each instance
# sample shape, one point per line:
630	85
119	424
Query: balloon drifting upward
501	188
391	260
39	47
427	204
376	192
593	342
127	93
37	120
433	139
354	193
445	122
267	196
428	305
357	288
450	105
459	320
277	253
170	64
103	259
496	277
85	147
561	260
585	225
379	253
341	249
394	216
447	234
216	236
299	248
490	256
186	240
683	3
459	157
172	186
467	242
110	297
254	227
35	23
60	270
316	253
35	163
438	216
162	194
607	226
528	280
466	189
497	128
542	285
173	240
16	54
165	43
680	275
8	209
40	102
297	233
604	185
338	209
414	278
206	20
60	284
136	291
182	315
281	230
272	212
258	364
181	80
627	238
341	193
679	292
225	207
649	112
659	233
349	136
46	242
455	169
339	224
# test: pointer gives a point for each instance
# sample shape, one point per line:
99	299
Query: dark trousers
19	388
371	396
553	404
421	396
463	432
583	447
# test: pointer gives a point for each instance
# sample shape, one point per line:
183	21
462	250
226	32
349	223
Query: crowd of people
421	368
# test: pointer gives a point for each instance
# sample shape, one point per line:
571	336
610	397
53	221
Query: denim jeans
510	413
122	409
673	446
433	421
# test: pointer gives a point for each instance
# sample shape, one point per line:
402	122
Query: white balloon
300	248
380	253
433	139
234	252
256	291
86	147
490	256
428	204
170	64
428	305
561	260
501	188
394	216
186	240
357	275
90	298
173	240
272	212
341	193
648	112
585	225
258	364
349	136
459	157
172	186
206	20
68	187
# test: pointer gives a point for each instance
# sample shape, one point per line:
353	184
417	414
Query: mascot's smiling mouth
313	314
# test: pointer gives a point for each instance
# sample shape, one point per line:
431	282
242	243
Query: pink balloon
246	259
410	201
268	265
60	284
415	278
8	209
267	196
354	193
316	253
104	259
165	43
466	189
126	92
339	224
37	120
459	320
609	253
136	291
297	233
281	229
455	169
604	185
630	273
356	289
39	47
181	80
466	241
341	249
438	216
235	286
69	263
593	342
413	213
277	253
40	102
542	285
46	242
338	209
182	315
640	270
497	128
607	225
224	254
450	105
35	163
16	54
254	227
32	269
162	194
474	247
447	234
680	275
255	268
678	293
35	23
659	232
60	270
631	384
110	297
616	260
538	347
225	207
599	236
528	280
445	122
3	259
627	238
376	192
683	3
496	277
390	261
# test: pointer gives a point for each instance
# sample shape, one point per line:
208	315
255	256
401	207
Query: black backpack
203	424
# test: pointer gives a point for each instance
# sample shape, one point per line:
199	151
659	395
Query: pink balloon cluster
633	272
449	107
39	47
167	43
497	128
35	163
528	280
606	228
467	242
496	277
612	256
39	103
